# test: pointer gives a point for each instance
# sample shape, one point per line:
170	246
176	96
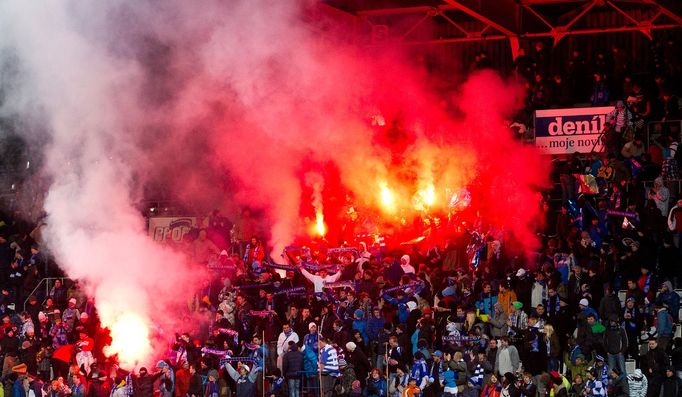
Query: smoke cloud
189	95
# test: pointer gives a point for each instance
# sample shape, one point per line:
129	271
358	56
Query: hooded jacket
638	384
671	299
615	339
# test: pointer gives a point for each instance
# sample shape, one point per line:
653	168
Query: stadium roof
472	20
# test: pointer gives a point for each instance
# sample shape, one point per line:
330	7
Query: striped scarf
477	377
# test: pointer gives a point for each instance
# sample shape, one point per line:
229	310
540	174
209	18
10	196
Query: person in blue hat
360	325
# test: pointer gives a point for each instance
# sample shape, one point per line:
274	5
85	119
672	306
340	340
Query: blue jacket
600	94
376	387
310	341
419	371
664	324
309	362
414	339
403	312
374	327
670	299
18	389
361	326
449	378
486	304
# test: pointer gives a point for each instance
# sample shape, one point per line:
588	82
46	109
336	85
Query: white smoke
88	98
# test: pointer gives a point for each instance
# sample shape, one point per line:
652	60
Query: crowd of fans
601	79
594	313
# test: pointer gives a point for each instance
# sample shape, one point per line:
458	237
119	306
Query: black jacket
360	363
615	340
143	386
195	388
654	362
292	364
671	387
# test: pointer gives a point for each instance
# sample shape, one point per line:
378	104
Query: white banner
164	228
565	131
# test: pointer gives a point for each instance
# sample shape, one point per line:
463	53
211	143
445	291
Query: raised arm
233	372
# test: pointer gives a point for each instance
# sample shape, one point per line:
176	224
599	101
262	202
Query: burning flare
320	227
387	198
130	339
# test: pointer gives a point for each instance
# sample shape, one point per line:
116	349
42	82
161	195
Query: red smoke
369	126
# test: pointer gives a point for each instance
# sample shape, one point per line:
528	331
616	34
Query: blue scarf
211	389
647	284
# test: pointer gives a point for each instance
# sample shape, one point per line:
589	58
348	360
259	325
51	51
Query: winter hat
598	358
520	273
312	325
438	353
517	305
246	368
350	346
427	310
358	313
584	302
213	373
161	364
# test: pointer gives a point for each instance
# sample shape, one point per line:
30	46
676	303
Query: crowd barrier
48	283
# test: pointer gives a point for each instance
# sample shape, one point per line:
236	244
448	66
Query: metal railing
655	128
48	283
667	182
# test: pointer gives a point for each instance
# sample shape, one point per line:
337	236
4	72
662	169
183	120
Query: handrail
46	281
650	124
667	182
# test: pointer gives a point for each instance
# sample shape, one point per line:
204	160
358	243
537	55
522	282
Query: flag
588	184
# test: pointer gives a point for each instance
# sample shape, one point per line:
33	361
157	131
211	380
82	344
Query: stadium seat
621	295
630	366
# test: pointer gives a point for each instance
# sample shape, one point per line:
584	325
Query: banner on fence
565	131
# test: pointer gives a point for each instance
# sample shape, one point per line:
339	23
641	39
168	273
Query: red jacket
86	345
182	382
64	353
491	391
